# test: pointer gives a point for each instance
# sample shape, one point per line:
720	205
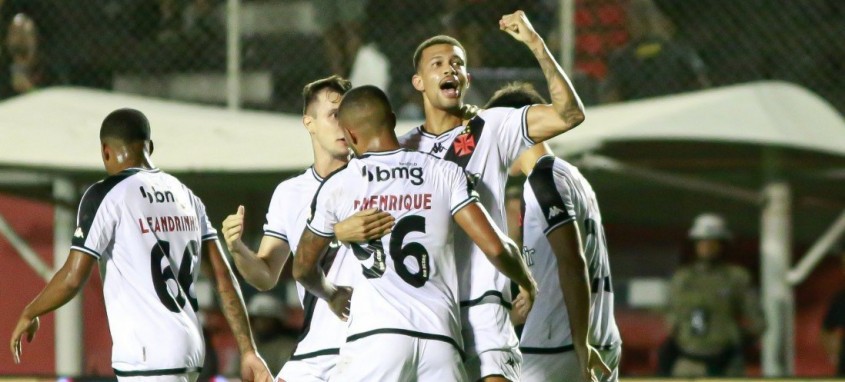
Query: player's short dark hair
127	125
436	40
334	83
365	95
515	94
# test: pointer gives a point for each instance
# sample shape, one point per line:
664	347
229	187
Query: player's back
556	193
147	229
410	282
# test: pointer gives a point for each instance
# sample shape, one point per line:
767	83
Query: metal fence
259	53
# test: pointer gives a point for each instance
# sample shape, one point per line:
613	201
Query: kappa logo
438	148
78	233
554	211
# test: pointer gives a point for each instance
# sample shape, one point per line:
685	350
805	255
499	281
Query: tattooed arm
307	272
566	111
253	367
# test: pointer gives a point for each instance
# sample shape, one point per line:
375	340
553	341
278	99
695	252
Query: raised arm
253	367
261	269
499	249
306	271
64	285
565	241
567	110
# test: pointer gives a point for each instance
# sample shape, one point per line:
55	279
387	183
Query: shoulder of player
498	113
97	192
293	184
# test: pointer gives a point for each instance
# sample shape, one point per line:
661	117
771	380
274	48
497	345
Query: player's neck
439	121
327	164
384	142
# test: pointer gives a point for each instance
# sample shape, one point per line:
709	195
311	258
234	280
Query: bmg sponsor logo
379	174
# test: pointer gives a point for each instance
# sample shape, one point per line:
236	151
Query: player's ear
308	122
150	148
105	151
417	81
469	79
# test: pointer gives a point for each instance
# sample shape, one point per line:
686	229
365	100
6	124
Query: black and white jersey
485	148
323	331
146	229
410	282
556	194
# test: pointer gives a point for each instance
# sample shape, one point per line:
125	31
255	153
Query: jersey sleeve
461	191
553	195
323	217
511	128
207	231
95	222
275	223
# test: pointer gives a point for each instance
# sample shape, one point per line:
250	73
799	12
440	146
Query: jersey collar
315	174
381	153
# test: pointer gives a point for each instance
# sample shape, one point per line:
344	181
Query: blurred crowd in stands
624	49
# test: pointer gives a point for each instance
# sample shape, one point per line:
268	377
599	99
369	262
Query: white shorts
564	367
309	369
397	357
490	342
184	377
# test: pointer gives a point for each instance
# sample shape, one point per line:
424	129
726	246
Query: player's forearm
510	262
574	283
313	279
255	270
565	100
232	302
62	288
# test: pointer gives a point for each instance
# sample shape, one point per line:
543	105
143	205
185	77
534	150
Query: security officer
713	310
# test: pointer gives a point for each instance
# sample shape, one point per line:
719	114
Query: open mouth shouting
450	87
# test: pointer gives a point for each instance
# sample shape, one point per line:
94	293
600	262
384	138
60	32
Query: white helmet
709	226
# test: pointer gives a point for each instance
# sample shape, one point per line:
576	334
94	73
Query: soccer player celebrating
148	230
317	350
559	339
404	319
485	146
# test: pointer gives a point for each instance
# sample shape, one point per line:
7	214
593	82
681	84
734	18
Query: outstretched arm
64	285
499	249
567	110
307	272
261	269
565	241
252	366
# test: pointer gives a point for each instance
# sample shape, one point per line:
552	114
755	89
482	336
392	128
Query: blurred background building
258	54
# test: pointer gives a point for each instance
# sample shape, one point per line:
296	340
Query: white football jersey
410	281
323	332
556	194
146	229
485	149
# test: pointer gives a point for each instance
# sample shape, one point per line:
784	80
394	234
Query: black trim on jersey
421	129
309	301
410	333
318	353
315	174
86	250
524	127
542	181
477	301
380	153
209	236
560	349
157	372
463	204
91	201
278	235
318	232
473	129
317	193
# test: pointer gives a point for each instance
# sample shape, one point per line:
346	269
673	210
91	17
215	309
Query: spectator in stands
341	25
832	334
26	69
274	341
713	311
652	63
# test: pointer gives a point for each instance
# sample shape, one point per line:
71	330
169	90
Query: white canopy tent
51	136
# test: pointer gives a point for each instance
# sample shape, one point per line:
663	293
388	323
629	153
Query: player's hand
233	228
518	315
524	301
364	226
517	25
339	302
253	368
25	325
591	363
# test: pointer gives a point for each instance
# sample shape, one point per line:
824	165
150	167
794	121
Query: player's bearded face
325	128
443	77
